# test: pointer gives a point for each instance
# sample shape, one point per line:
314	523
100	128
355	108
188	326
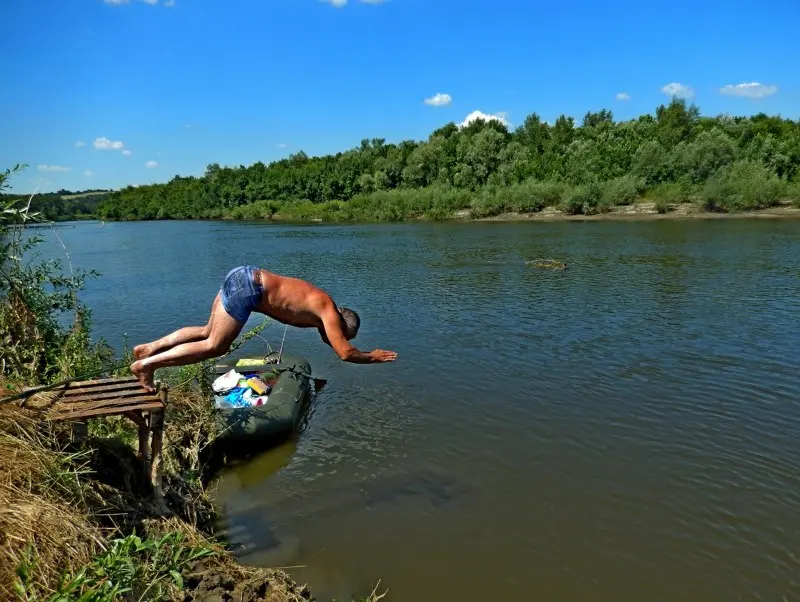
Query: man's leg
183	335
223	330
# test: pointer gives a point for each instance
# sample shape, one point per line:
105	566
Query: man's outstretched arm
343	348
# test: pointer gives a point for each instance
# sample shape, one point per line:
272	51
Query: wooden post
144	438
80	431
157	428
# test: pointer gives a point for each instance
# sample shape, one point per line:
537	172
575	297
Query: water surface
624	430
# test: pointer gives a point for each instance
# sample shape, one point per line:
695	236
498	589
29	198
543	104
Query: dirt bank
66	503
638	211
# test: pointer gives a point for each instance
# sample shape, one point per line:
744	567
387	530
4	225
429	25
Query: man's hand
379	356
335	338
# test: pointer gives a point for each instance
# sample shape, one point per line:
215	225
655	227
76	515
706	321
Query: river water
623	430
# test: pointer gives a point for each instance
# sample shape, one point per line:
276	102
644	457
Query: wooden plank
88	383
104	381
103	403
110	395
104	411
101	389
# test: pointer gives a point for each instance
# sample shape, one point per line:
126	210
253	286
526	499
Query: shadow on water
243	452
254	513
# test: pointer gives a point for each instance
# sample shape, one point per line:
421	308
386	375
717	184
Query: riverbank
642	211
79	516
745	189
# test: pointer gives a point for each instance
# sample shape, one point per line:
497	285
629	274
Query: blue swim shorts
240	293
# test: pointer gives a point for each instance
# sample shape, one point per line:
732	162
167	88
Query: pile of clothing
234	390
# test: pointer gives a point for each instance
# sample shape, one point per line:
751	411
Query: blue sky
155	88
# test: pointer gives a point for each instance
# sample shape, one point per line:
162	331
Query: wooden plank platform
102	397
123	396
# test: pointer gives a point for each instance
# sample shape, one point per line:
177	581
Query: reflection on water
624	430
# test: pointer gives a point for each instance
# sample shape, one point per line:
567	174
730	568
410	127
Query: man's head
351	322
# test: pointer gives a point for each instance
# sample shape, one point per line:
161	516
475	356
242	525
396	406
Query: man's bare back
246	289
292	301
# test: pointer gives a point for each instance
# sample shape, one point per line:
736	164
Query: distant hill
84	194
64	205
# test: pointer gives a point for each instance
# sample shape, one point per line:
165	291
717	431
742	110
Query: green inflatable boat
281	406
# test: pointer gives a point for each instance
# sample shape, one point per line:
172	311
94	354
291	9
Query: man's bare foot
144	374
141	352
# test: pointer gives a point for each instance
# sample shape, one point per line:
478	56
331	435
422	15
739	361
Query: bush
534	196
742	186
623	190
526	197
793	193
488	203
260	210
666	196
586	199
34	346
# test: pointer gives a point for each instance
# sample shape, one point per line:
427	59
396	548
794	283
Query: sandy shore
638	211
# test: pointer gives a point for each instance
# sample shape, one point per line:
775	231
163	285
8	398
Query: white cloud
335	3
501	117
679	90
126	153
80	144
116	2
151	164
88	173
623	96
53	168
169	3
281	145
104	143
150	2
188	126
749	90
439	100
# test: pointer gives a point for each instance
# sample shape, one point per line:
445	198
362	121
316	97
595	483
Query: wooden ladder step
116	409
103	403
141	393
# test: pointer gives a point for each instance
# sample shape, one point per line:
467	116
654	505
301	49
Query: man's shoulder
320	300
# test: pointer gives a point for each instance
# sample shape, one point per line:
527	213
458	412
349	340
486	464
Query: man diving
248	289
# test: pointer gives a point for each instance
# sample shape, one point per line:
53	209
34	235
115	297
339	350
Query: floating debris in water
547	264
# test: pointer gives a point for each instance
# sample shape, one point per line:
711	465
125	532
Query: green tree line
676	155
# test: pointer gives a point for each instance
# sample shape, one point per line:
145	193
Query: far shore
639	212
